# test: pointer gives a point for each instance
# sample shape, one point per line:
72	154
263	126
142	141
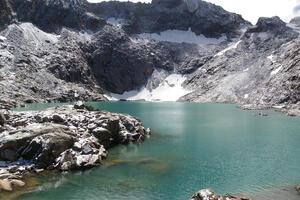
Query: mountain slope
203	18
257	71
66	50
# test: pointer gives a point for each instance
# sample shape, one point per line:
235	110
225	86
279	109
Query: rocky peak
161	15
67	4
273	24
53	15
296	21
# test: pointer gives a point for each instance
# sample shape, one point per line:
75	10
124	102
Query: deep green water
193	146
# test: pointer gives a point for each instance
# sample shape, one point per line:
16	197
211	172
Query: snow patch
275	71
115	21
180	36
279	106
246	96
169	90
2	38
232	46
271	58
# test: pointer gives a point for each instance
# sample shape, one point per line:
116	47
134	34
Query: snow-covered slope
180	36
169	89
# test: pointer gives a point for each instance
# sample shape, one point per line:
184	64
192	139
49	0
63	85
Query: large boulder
44	149
208	194
36	141
41	141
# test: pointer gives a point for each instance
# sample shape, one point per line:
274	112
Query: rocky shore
61	138
208	194
288	193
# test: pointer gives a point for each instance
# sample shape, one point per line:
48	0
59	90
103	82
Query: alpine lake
192	146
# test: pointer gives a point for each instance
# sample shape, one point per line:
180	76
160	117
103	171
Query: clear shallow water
193	146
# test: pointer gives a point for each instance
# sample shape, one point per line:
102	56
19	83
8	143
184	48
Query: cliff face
53	15
202	17
6	14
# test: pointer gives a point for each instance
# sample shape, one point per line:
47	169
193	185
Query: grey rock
208	194
253	72
2	119
203	18
6	14
54	15
46	145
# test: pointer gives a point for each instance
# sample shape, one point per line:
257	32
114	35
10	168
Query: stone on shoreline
208	194
298	188
63	138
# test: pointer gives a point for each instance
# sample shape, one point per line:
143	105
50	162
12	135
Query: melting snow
2	38
279	106
271	57
232	46
179	36
275	71
169	90
115	21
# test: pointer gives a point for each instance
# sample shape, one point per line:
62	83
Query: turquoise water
193	146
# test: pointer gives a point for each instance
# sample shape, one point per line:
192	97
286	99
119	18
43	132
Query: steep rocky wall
203	18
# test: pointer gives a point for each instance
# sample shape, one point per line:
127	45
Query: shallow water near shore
193	146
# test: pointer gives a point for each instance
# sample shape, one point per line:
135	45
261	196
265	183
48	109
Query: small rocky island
208	194
62	138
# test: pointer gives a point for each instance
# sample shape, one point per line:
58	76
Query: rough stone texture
208	194
298	188
42	136
39	67
262	70
64	138
6	14
53	15
203	18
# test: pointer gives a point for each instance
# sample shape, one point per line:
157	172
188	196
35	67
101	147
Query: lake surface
193	146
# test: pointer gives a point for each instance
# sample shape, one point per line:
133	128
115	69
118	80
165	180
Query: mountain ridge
91	51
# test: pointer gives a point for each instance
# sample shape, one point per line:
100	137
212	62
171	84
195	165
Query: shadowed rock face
202	17
274	25
52	15
6	15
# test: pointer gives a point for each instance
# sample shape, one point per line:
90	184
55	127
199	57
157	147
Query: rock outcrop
64	138
208	194
259	69
53	15
6	14
203	18
36	66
